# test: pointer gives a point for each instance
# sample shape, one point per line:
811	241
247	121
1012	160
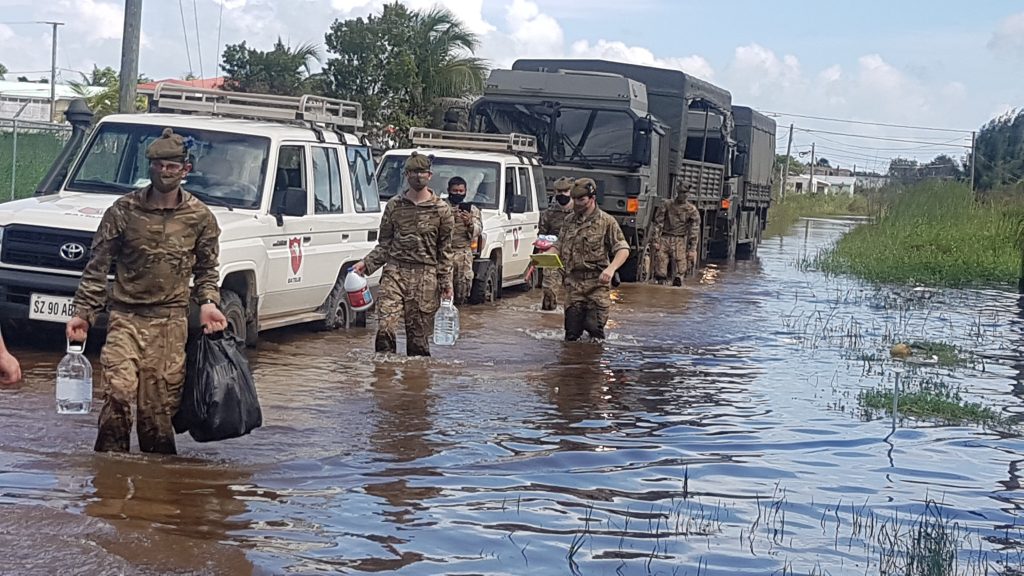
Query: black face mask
562	199
456	199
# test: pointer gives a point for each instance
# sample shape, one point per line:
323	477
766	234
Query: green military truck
637	130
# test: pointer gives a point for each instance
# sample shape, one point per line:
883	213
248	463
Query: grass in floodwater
785	212
945	354
928	399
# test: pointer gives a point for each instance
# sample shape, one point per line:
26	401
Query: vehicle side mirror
739	164
642	129
517	204
290	202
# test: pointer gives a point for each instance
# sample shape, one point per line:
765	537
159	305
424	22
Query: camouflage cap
583	187
417	162
562	184
684	187
169	146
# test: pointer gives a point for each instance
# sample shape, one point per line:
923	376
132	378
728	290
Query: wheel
749	250
336	307
485	284
232	307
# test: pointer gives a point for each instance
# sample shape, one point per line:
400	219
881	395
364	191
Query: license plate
51	308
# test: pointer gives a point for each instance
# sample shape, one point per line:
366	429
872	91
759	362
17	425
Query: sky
922	63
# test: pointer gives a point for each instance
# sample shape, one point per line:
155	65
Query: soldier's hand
691	257
448	293
77	329
606	275
10	370
212	319
359	268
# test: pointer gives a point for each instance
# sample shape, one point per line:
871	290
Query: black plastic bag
219	400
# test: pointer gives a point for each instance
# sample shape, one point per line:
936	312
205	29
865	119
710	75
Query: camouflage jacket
465	232
551	220
417	234
589	242
154	251
675	219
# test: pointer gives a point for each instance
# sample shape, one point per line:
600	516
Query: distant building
802	184
31	100
211	83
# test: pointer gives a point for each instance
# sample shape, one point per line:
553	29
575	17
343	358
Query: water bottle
446	324
359	296
74	381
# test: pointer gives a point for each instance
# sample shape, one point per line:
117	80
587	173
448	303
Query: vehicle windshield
227	169
481	178
583	136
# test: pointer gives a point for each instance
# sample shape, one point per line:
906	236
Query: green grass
36	152
933	233
946	354
928	399
785	212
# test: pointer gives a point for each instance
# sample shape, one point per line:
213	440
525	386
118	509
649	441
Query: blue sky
922	63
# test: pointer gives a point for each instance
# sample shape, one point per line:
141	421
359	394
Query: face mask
166	183
456	198
418	182
562	199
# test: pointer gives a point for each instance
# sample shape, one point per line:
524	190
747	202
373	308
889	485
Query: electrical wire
865	122
184	31
887	139
199	42
220	23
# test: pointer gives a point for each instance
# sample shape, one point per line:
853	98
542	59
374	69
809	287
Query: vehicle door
289	288
516	253
531	217
365	213
328	250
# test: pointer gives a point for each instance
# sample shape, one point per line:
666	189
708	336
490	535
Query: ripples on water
717	427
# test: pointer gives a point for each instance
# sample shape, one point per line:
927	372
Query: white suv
504	180
290	184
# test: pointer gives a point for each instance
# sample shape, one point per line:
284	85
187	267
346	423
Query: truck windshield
583	136
481	178
227	169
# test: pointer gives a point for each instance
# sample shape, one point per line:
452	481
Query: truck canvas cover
758	132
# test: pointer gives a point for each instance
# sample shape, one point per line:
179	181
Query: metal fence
27	149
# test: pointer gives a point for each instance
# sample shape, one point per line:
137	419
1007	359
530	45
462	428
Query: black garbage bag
219	399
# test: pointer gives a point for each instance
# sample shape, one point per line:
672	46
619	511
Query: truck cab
290	183
504	180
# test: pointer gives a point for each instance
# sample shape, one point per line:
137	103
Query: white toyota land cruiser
290	183
504	180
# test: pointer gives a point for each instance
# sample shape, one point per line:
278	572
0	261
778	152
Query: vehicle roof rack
334	113
514	142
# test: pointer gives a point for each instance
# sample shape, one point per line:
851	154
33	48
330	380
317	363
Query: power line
867	123
220	22
199	42
926	143
184	31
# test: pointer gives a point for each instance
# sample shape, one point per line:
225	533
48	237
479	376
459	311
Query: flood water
716	432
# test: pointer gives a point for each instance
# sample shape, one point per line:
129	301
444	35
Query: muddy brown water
717	430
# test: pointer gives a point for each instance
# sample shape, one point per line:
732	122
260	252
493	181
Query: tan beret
417	162
583	187
169	146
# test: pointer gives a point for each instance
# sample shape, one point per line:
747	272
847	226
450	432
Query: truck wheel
749	250
485	284
232	307
336	308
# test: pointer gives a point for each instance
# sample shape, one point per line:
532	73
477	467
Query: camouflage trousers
670	257
410	292
462	274
143	364
586	307
550	280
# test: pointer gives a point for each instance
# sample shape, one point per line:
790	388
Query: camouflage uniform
415	249
462	264
551	221
585	245
155	252
678	226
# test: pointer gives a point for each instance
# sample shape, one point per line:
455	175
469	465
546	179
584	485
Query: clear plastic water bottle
446	324
74	381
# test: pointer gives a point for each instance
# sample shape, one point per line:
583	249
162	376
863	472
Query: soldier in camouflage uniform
589	237
468	224
551	225
158	238
415	249
677	227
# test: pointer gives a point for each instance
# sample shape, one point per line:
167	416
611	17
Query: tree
284	71
823	162
3	70
105	101
400	64
999	148
104	77
795	167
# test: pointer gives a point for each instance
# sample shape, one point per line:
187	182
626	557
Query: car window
364	183
524	187
326	181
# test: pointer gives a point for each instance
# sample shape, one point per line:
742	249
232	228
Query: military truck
638	130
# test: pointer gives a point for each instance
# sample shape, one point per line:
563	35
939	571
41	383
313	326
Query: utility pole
974	160
53	70
785	167
810	180
129	77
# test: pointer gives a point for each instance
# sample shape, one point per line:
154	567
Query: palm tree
443	46
284	70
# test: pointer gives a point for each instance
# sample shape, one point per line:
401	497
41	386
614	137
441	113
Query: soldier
588	237
677	224
158	238
415	248
10	370
468	224
551	225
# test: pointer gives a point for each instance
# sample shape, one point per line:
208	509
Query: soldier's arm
91	296
205	271
378	256
694	235
544	225
478	222
445	254
616	243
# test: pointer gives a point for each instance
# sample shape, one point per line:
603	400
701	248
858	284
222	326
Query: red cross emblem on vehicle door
515	239
295	249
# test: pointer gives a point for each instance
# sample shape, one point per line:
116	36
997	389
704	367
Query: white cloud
532	32
1008	38
621	52
93	20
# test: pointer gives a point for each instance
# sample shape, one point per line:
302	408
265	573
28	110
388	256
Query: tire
232	307
336	306
485	284
749	250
